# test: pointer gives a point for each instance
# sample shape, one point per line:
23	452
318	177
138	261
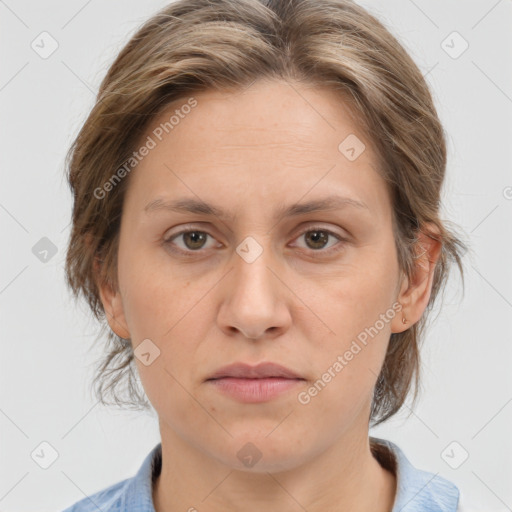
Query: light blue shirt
417	490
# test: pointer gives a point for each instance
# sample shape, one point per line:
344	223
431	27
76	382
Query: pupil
195	237
319	236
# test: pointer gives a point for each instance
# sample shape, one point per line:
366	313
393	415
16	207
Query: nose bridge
253	257
253	303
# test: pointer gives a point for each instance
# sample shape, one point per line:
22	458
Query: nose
255	301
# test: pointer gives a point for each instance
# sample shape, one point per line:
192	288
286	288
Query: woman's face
259	280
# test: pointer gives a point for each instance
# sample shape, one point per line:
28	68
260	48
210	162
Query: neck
346	474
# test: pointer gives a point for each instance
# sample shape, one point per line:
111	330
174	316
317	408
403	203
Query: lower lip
254	390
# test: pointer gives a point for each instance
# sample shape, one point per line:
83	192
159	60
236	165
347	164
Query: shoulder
106	499
129	495
418	490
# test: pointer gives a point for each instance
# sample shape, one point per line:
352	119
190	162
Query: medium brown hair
197	45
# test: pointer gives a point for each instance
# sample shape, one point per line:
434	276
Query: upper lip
260	371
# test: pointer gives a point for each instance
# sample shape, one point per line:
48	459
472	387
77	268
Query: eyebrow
191	205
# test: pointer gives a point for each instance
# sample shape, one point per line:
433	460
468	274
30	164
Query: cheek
162	304
354	299
355	307
366	289
347	368
155	296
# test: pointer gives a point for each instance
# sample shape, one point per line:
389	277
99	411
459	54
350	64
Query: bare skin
299	303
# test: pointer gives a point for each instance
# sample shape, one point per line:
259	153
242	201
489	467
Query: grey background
46	361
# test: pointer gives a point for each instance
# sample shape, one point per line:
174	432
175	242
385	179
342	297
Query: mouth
260	371
254	384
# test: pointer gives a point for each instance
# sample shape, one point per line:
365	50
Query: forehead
272	141
304	114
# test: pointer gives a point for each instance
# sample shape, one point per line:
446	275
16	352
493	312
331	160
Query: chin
261	453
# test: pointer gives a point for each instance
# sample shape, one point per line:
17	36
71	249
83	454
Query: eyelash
190	253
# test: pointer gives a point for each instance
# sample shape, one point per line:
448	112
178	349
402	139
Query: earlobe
415	292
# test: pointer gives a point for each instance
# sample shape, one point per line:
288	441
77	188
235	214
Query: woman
256	216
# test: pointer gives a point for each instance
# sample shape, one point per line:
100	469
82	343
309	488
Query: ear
415	293
113	305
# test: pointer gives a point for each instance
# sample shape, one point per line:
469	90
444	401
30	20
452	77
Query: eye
193	240
317	238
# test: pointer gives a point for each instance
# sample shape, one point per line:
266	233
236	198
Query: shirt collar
419	490
138	495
